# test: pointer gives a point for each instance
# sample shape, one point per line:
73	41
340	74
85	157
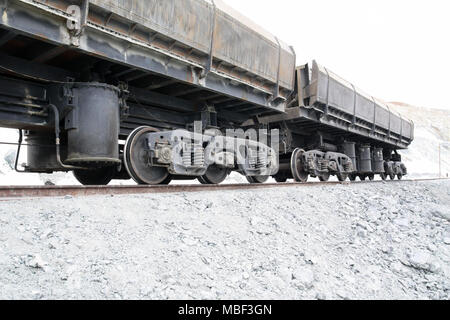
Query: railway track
17	192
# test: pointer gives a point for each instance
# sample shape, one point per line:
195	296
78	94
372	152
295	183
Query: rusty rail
15	192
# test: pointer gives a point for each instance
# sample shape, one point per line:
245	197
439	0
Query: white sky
396	50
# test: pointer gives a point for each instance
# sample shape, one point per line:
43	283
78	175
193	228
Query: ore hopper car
137	89
340	130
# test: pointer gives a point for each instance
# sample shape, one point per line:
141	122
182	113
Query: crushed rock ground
360	241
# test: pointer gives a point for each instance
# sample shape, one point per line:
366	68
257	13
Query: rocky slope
432	128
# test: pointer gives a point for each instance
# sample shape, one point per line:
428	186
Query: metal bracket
78	21
389	127
374	115
209	117
295	59
58	140
209	64
124	108
84	16
302	84
277	86
328	92
3	6
71	120
19	145
354	105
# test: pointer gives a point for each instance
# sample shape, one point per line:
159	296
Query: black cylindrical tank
349	150
364	159
41	152
93	131
378	160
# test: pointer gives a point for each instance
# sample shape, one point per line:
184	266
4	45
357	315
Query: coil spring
348	166
323	165
187	157
252	162
199	156
193	155
252	159
262	159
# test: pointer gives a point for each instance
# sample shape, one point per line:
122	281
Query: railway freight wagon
160	90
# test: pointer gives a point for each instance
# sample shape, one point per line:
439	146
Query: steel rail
16	192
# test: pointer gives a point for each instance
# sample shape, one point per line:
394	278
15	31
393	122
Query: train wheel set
142	162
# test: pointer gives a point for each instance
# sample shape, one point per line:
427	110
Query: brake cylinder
364	159
41	152
350	151
378	160
93	126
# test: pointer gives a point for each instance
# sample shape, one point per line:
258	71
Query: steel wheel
383	176
324	177
167	181
298	171
136	159
389	172
96	177
280	178
257	179
400	177
342	176
352	177
214	175
362	177
371	177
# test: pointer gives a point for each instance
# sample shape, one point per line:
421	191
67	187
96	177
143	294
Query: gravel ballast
361	241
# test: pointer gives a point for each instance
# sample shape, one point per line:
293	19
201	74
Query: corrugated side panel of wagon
235	41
